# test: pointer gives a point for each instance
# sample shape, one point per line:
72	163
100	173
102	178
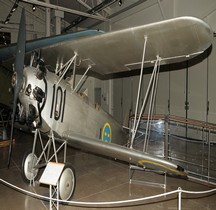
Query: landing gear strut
32	163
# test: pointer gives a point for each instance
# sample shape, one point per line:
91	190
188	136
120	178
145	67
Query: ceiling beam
89	7
76	12
94	10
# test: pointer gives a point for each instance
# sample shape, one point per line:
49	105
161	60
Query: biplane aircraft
48	98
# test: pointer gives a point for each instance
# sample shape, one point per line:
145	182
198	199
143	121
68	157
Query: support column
48	19
54	194
58	16
166	143
111	97
48	22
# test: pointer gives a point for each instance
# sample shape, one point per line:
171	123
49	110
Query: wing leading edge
10	51
123	153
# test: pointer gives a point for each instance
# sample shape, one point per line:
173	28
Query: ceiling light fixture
6	21
120	2
14	6
33	7
13	9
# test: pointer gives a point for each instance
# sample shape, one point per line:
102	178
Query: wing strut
152	79
138	92
155	75
152	86
63	70
78	84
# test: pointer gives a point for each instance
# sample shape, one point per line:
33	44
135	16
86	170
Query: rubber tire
27	175
67	182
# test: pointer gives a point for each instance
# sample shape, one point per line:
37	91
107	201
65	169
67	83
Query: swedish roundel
107	133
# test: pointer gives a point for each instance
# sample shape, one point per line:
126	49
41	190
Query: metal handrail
179	119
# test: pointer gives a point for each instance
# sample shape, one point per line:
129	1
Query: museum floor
98	179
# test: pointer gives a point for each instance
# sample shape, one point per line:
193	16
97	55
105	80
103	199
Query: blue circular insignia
107	133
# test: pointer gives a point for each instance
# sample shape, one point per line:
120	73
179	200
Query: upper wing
9	52
173	40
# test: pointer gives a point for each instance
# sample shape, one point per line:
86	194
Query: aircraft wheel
67	182
29	173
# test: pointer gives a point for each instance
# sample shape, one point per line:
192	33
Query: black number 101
58	103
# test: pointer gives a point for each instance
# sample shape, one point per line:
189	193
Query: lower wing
129	155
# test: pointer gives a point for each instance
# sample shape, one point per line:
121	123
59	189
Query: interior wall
188	91
177	90
196	8
162	103
147	12
211	84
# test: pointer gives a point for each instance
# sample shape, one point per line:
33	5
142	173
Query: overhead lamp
6	21
13	9
33	7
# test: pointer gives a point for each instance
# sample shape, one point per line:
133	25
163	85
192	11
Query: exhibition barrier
190	143
179	192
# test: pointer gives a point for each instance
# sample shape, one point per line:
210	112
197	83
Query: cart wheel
67	182
29	173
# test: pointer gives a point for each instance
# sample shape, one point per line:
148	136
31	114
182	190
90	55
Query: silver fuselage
67	112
